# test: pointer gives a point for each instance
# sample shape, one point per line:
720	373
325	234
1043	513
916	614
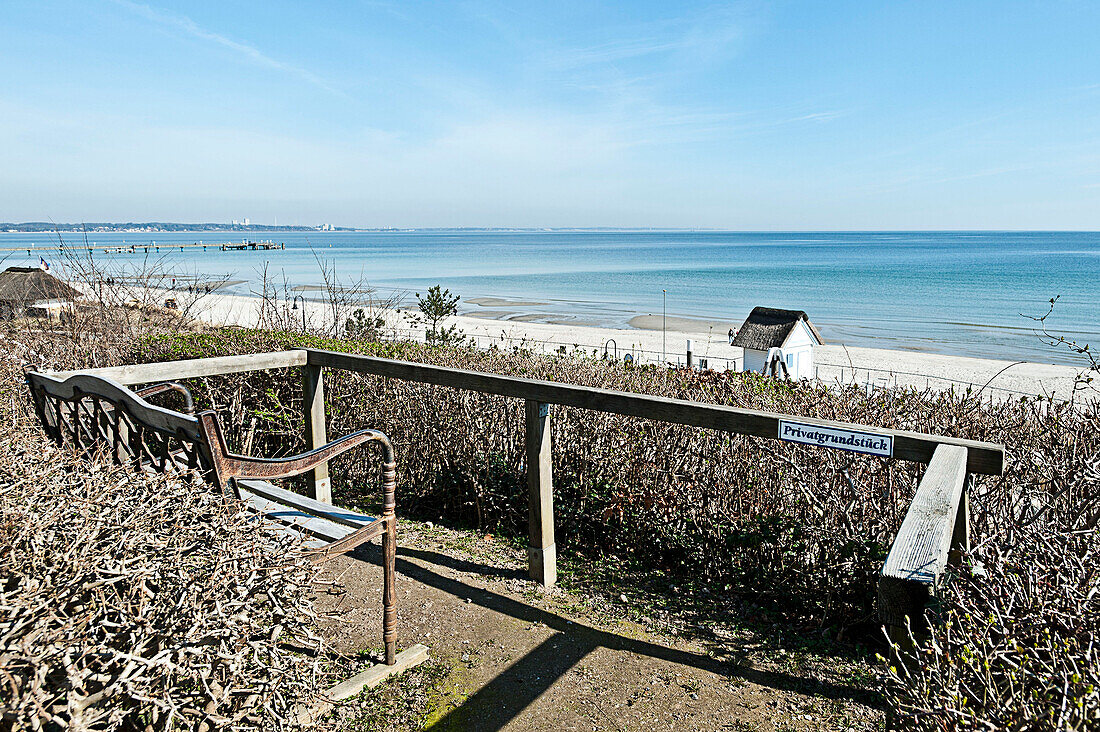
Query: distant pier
153	247
252	245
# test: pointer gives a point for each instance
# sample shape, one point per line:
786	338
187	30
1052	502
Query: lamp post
295	307
664	315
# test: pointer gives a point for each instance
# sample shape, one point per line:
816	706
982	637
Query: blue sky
748	115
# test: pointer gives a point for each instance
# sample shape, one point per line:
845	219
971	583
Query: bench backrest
97	414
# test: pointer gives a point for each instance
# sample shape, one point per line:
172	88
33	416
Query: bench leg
389	595
389	563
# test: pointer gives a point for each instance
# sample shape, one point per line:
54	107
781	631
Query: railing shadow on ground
513	690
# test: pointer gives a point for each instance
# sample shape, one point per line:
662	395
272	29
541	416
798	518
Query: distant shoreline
904	292
160	227
155	227
836	363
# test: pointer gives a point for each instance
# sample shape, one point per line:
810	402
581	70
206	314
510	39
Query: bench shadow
518	686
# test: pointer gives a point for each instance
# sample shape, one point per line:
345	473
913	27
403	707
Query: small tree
435	308
364	325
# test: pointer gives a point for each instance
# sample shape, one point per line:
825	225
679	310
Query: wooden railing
935	530
935	533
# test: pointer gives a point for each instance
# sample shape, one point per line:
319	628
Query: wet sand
683	325
500	302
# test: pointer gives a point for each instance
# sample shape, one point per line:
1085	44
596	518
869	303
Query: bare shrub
1085	355
131	601
806	527
1014	645
134	601
1013	649
338	307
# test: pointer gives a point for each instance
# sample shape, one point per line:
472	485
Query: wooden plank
368	679
919	554
308	540
147	373
982	457
960	540
542	551
327	511
313	392
378	673
296	518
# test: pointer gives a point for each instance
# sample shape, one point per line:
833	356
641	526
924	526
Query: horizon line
47	227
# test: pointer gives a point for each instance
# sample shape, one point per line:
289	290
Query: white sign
840	439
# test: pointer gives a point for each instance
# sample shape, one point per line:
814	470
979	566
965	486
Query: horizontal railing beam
982	457
147	373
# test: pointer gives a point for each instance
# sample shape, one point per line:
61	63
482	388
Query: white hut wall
799	352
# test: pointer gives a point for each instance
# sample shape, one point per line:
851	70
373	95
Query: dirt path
514	657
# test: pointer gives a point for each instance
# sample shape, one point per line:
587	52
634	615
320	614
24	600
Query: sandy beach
494	324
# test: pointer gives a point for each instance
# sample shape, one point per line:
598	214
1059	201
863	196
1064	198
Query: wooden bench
100	417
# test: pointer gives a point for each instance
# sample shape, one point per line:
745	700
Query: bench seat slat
309	541
303	514
306	504
300	521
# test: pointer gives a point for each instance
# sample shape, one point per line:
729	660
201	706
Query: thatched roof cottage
790	332
24	289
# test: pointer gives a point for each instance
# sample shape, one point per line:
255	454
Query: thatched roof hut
28	285
771	335
770	327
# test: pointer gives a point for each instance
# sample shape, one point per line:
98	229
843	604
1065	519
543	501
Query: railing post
313	393
541	552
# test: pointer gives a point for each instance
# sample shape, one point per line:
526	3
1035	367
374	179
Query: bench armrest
228	465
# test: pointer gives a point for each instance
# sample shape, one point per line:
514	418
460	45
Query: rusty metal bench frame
100	417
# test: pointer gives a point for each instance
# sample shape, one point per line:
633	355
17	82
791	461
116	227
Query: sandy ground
935	371
646	342
521	658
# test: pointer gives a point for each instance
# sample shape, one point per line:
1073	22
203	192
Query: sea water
964	293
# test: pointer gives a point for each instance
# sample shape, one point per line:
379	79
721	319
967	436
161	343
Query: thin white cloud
610	52
819	116
253	54
685	42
